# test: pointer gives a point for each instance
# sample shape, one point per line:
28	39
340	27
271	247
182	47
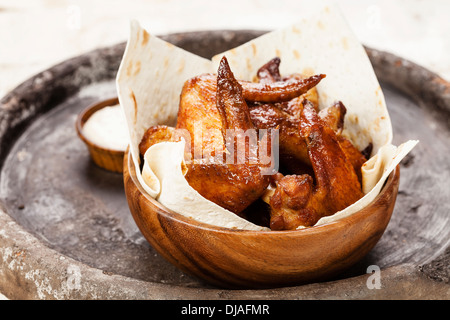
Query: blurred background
36	34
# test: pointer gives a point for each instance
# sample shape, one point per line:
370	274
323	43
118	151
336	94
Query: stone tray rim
31	270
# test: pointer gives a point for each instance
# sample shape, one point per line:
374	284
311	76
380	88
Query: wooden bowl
259	259
108	159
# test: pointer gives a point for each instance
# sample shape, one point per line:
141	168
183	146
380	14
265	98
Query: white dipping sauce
107	128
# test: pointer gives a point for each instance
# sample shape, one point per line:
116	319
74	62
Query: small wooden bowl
259	259
108	159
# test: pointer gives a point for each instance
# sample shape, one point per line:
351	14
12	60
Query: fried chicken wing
199	116
231	182
154	135
300	200
334	116
279	91
270	72
292	144
286	117
223	164
227	169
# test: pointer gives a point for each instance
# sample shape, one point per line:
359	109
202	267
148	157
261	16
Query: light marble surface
36	34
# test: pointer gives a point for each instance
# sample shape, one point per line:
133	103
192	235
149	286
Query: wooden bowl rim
84	115
391	181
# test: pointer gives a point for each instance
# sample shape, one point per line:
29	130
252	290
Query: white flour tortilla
152	73
323	43
149	82
164	159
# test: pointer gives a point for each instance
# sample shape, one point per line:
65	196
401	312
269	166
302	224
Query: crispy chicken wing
199	115
300	200
230	181
279	91
224	166
212	106
292	144
270	72
286	117
154	135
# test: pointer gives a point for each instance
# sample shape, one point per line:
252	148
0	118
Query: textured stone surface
73	238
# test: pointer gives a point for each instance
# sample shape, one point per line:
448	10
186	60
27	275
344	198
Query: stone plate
65	227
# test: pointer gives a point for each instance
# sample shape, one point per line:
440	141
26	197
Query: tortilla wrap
152	74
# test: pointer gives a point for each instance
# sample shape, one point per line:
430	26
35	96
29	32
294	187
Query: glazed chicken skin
199	115
270	72
300	200
234	183
286	117
292	144
279	91
311	145
209	106
326	177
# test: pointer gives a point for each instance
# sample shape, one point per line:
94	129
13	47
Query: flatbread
149	81
323	43
164	160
